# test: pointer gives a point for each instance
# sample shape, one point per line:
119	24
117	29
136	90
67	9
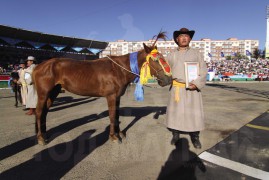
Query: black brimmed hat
183	31
22	61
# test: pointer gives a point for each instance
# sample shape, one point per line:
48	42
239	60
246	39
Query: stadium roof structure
15	36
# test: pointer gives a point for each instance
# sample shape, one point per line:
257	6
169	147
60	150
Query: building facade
212	49
267	33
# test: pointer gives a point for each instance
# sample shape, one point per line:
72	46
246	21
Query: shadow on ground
181	163
56	161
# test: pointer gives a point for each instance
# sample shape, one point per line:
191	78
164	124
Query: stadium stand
16	44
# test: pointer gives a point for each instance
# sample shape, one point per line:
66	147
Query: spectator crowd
9	68
259	67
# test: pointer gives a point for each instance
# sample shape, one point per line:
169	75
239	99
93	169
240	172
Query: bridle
156	60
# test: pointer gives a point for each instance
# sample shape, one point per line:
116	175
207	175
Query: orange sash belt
177	86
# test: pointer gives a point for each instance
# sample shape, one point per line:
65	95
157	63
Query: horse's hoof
41	142
122	135
114	138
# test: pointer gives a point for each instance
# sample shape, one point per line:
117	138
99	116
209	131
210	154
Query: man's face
29	63
22	65
183	40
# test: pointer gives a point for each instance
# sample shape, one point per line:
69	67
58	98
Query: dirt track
78	128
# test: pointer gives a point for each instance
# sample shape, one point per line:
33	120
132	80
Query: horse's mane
161	35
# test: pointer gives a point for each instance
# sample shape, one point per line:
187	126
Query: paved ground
242	155
79	147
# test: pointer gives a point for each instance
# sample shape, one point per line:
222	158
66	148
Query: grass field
3	84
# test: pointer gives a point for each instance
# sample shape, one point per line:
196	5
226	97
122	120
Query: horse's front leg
111	101
117	117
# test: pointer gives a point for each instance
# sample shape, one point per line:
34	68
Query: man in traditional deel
185	113
31	100
22	81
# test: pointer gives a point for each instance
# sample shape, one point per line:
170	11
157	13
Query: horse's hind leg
45	100
53	94
41	113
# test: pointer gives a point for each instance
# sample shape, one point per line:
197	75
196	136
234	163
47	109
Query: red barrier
4	77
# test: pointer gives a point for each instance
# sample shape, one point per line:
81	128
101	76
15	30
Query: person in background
1	70
22	81
185	107
31	99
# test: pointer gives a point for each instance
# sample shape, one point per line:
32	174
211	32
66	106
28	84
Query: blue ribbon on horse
139	91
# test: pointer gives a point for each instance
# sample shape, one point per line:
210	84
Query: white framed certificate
191	71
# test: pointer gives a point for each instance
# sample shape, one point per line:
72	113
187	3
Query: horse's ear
147	49
155	47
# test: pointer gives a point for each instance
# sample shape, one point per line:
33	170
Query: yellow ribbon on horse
177	85
152	54
145	73
145	70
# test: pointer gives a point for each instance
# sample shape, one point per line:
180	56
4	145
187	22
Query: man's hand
192	87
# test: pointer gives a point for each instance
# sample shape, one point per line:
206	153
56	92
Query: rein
122	66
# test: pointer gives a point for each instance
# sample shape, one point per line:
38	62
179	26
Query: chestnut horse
106	77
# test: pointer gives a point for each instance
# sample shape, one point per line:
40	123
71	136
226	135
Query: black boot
175	137
195	139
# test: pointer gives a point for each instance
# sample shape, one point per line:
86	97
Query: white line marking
247	170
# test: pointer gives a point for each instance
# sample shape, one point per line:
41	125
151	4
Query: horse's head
157	65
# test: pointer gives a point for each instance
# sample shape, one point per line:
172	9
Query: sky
137	20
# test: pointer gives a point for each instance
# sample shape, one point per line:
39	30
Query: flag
209	55
248	53
222	54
